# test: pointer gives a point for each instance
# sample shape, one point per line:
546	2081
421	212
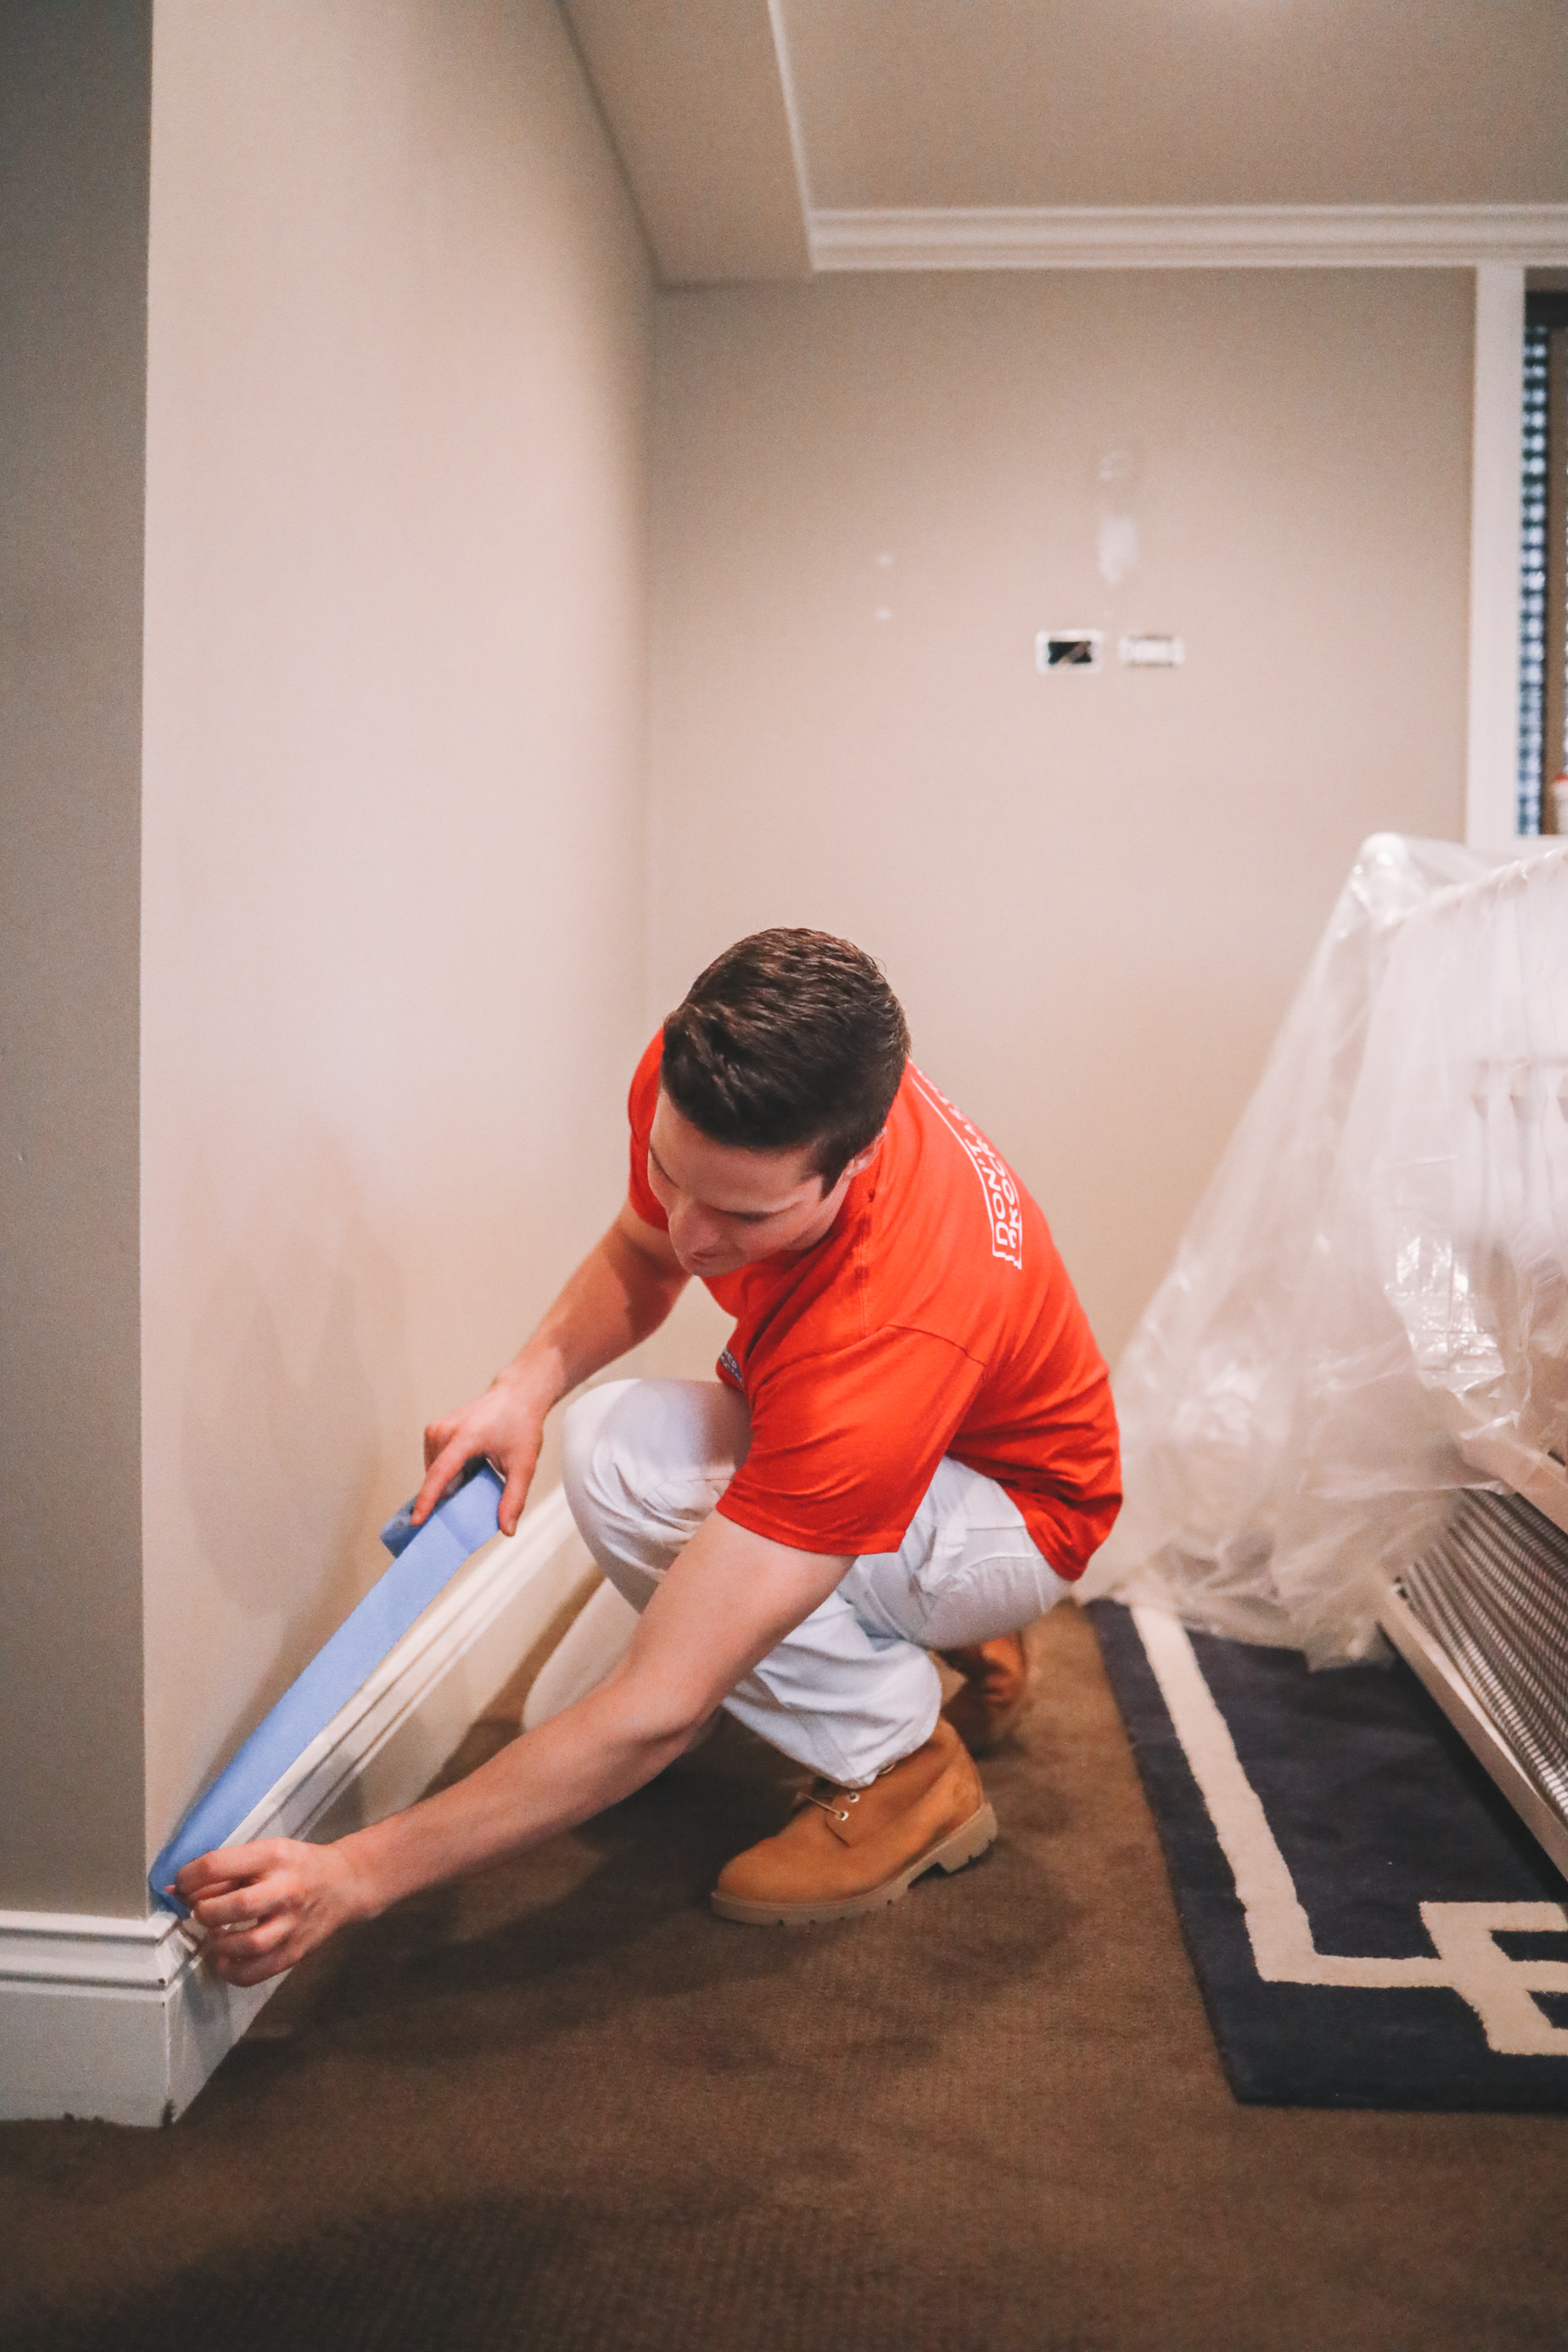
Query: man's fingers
191	1895
228	1867
208	1875
239	1969
514	1493
253	1939
439	1476
257	1909
503	1427
438	1436
260	1900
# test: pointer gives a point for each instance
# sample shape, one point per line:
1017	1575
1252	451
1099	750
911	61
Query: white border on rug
1467	1957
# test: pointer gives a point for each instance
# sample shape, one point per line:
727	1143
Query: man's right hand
505	1426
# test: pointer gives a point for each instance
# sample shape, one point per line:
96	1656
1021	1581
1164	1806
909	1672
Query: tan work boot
851	1849
996	1687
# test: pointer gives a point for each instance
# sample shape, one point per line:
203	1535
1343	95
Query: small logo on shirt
731	1368
1002	1203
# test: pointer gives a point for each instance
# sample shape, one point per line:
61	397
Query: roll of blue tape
425	1559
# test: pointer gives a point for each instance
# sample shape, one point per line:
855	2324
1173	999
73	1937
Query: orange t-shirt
935	1318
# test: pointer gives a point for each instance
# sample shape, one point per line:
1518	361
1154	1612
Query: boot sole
961	1845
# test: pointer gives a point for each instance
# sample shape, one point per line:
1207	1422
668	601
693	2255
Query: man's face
728	1206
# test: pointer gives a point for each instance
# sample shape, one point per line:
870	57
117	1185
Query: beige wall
73	334
401	931
1095	893
393	918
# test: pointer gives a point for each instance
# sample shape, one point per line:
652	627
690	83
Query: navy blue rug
1370	1924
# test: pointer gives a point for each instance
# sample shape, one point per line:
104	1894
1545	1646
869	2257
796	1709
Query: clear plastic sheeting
1370	1307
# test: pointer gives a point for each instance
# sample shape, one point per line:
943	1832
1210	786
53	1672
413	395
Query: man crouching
910	1447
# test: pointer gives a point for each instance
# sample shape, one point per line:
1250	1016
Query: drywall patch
1116	549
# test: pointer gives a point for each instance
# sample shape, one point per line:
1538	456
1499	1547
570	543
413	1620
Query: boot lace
850	1796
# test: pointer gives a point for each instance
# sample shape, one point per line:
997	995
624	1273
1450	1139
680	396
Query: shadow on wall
297	1398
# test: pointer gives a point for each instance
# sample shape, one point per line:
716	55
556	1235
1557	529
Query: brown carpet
561	2108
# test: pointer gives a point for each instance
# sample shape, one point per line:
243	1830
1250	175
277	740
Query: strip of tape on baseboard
398	1684
450	1628
70	1950
425	1563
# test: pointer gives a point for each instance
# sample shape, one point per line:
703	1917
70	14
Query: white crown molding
1194	237
116	2018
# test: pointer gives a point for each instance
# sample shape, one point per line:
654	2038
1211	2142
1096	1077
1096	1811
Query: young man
911	1447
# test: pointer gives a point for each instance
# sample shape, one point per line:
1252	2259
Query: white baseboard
116	2018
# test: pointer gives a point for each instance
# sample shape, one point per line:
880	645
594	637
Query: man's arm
728	1599
623	1290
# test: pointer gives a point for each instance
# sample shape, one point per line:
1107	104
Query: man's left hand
263	1907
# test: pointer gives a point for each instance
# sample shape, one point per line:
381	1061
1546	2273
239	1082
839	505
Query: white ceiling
753	135
694	96
962	102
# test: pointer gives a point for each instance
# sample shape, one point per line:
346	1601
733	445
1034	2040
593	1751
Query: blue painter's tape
426	1559
400	1531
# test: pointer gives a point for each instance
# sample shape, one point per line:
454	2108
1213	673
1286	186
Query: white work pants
852	1689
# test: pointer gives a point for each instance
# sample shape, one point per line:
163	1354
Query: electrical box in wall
1069	649
1151	653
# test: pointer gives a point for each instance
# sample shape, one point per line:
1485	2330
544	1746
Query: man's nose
694	1230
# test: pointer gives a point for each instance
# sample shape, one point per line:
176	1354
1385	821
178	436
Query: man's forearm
724	1604
546	1781
729	1598
617	1297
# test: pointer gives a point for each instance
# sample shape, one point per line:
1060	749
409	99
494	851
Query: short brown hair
789	1037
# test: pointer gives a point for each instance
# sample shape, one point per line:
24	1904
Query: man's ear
864	1159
